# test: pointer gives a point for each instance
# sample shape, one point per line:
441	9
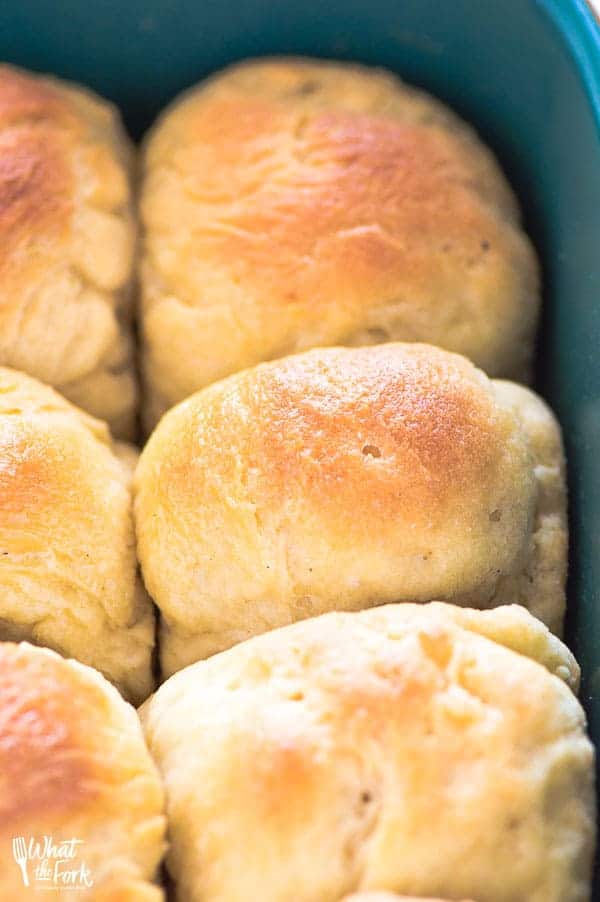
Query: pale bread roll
292	203
386	897
342	479
68	571
74	766
66	244
429	749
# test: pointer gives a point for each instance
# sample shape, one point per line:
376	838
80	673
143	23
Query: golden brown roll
345	478
67	549
81	802
293	203
66	243
427	749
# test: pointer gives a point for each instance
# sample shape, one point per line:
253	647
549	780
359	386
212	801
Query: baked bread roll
66	244
385	897
293	203
67	550
408	747
345	478
73	766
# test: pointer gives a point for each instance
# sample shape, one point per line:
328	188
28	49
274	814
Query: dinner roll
73	767
66	243
408	747
67	549
385	897
344	478
292	203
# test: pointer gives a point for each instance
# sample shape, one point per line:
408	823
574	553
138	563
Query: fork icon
20	855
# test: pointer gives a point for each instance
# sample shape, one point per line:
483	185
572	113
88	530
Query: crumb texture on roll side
67	240
288	204
401	748
68	569
345	478
74	766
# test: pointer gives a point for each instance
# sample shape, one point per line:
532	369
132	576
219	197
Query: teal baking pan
526	73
